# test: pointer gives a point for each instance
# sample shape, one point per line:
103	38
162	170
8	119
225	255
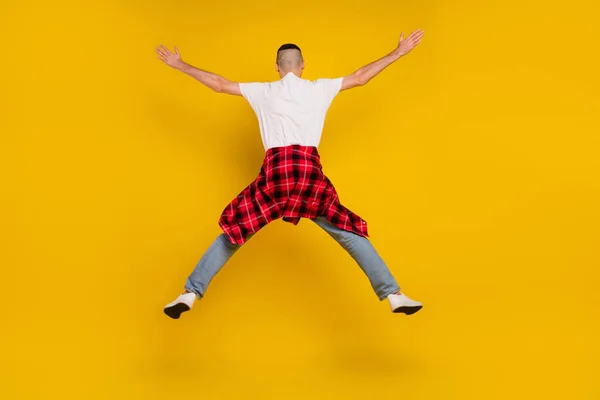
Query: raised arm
213	81
363	75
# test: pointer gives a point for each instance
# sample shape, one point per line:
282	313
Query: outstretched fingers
414	38
165	49
163	53
416	35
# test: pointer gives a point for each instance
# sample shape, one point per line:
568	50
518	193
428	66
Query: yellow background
474	161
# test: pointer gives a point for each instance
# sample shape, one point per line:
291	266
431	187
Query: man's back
291	110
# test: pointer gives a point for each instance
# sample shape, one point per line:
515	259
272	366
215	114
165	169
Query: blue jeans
360	248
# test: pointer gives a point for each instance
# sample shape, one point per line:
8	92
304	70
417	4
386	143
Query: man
291	184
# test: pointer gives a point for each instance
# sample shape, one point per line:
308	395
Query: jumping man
291	184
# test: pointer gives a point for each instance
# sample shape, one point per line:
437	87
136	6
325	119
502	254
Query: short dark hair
288	46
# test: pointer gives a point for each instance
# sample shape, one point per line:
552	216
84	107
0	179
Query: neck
297	74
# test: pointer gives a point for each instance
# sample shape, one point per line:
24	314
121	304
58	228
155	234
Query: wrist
396	55
181	66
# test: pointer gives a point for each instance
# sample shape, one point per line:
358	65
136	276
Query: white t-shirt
291	110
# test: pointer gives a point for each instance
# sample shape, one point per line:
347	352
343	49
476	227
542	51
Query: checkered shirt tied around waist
291	185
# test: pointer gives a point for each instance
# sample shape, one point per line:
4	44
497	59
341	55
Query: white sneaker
400	303
183	303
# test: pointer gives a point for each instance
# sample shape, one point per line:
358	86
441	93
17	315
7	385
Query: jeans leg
363	252
219	252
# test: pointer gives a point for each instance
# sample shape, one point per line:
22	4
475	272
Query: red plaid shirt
291	185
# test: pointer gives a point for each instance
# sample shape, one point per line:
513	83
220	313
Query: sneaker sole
407	310
176	310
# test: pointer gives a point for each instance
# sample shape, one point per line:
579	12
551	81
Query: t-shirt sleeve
330	87
254	92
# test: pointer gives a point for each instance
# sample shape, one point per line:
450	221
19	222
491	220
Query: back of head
289	59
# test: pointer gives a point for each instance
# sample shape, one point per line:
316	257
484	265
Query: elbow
219	85
361	80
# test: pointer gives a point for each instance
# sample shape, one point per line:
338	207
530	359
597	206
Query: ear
276	66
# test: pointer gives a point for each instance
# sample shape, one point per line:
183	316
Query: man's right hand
365	74
406	45
171	59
